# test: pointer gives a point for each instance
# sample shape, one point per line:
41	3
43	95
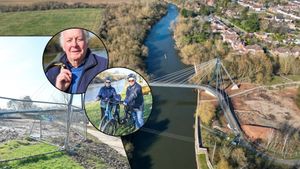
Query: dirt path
111	141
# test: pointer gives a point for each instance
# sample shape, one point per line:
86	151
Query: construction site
270	119
37	133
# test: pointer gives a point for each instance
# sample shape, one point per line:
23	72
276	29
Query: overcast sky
21	70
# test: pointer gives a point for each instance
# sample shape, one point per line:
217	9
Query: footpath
111	141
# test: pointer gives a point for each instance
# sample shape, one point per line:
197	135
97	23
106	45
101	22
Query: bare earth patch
270	108
257	132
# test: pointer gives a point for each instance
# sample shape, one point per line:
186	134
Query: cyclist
106	94
134	100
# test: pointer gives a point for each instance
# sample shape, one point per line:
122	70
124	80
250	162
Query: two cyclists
133	102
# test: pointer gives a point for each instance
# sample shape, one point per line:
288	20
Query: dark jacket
134	96
93	65
107	93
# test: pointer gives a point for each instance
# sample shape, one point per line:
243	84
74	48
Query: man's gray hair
85	33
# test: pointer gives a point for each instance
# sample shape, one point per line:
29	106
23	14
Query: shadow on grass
34	159
41	157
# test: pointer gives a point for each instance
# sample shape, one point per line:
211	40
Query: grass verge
202	161
48	22
22	148
279	80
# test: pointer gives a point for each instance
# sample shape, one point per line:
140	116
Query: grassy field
202	160
20	148
30	2
48	22
93	113
279	80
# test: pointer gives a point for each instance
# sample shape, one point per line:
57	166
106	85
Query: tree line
47	6
198	43
124	28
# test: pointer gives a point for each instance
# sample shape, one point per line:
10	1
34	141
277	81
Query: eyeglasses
130	80
107	82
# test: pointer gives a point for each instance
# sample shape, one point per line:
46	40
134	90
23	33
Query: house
216	26
292	26
258	7
269	17
233	39
279	18
253	49
210	2
281	52
296	51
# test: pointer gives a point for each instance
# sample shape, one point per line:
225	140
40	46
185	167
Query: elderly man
135	100
78	65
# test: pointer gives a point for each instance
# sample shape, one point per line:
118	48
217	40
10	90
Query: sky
21	70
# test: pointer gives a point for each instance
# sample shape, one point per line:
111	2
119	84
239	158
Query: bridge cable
180	72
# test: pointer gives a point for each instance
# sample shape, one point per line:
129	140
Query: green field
48	22
93	112
22	148
279	80
202	161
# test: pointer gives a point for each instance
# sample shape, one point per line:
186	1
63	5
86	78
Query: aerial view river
167	139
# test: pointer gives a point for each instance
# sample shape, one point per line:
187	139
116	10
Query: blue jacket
92	65
134	96
107	93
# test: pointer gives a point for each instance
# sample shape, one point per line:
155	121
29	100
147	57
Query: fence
59	124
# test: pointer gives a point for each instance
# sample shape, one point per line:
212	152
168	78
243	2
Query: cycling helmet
108	78
131	76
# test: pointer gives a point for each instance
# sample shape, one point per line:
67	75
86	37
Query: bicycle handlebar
109	101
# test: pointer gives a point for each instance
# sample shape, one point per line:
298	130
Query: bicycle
111	122
111	118
128	121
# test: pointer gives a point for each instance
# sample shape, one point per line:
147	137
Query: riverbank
201	152
206	42
124	35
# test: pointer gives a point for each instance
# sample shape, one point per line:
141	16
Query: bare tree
26	104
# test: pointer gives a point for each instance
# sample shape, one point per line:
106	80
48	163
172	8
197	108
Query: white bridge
213	74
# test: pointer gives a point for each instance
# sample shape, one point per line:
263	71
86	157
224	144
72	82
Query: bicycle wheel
103	121
110	127
130	122
117	114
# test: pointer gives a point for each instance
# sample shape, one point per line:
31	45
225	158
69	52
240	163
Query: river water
93	89
167	139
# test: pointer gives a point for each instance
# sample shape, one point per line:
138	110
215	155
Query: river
93	89
167	139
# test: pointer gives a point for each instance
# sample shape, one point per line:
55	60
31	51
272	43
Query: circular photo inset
72	58
118	101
